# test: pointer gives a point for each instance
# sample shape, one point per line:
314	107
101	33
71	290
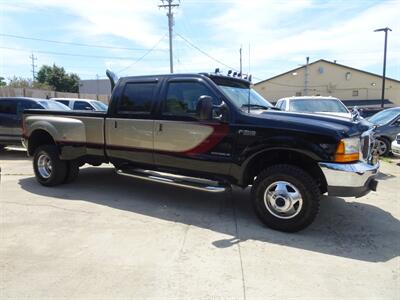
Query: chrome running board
194	183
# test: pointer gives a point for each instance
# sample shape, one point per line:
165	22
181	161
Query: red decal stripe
219	132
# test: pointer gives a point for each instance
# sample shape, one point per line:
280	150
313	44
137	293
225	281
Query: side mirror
205	107
208	111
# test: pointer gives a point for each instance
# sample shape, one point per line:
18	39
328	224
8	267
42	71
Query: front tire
285	198
383	146
49	169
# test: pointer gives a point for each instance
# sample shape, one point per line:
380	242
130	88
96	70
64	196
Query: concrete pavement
107	236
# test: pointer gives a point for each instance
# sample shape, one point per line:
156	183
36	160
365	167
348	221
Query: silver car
82	104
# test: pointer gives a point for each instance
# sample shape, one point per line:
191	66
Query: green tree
59	79
2	82
20	82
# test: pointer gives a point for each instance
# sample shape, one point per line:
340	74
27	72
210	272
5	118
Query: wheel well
270	158
383	137
38	138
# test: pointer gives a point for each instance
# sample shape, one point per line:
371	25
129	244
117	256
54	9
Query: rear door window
137	98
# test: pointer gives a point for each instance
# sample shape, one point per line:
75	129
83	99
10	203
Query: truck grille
365	146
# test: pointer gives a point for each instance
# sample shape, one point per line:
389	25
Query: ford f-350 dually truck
208	132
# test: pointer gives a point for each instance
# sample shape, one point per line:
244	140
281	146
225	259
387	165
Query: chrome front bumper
350	180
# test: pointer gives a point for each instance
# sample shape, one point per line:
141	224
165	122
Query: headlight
348	150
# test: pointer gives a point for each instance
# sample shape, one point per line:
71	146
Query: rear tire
72	171
49	169
285	198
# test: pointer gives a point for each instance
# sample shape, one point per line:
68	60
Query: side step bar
176	180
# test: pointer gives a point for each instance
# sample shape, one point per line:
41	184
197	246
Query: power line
144	55
71	54
170	16
75	44
204	52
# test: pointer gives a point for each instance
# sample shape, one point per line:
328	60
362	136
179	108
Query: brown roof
329	62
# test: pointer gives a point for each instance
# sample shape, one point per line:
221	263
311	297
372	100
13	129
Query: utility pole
306	77
384	63
33	58
170	5
240	52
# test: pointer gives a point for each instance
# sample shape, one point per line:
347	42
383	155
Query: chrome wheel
381	147
283	200
44	166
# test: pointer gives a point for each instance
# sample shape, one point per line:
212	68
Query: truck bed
77	133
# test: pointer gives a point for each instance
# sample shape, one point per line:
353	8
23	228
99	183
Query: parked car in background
11	109
396	146
369	107
314	105
387	124
82	104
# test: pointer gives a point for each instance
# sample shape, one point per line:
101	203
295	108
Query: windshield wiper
260	106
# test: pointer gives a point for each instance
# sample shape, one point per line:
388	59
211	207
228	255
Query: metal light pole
384	63
306	76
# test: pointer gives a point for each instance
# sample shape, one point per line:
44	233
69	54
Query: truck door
181	140
129	127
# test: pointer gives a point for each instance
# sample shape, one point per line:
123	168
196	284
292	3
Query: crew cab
209	132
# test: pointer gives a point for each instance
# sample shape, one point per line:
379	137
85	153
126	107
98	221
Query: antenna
240	53
249	78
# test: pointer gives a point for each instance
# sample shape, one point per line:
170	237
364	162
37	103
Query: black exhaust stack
112	77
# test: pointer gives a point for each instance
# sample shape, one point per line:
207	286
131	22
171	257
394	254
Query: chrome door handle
115	124
160	127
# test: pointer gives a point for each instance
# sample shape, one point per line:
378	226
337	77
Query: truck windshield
245	97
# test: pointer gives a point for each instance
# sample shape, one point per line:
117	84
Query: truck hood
338	114
314	123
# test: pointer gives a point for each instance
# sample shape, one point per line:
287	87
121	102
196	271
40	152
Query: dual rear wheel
50	170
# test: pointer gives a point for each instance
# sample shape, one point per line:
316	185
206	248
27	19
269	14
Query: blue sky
278	35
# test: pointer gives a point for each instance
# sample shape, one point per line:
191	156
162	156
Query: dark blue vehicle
11	109
388	126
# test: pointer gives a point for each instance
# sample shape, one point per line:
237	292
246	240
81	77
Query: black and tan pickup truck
209	132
